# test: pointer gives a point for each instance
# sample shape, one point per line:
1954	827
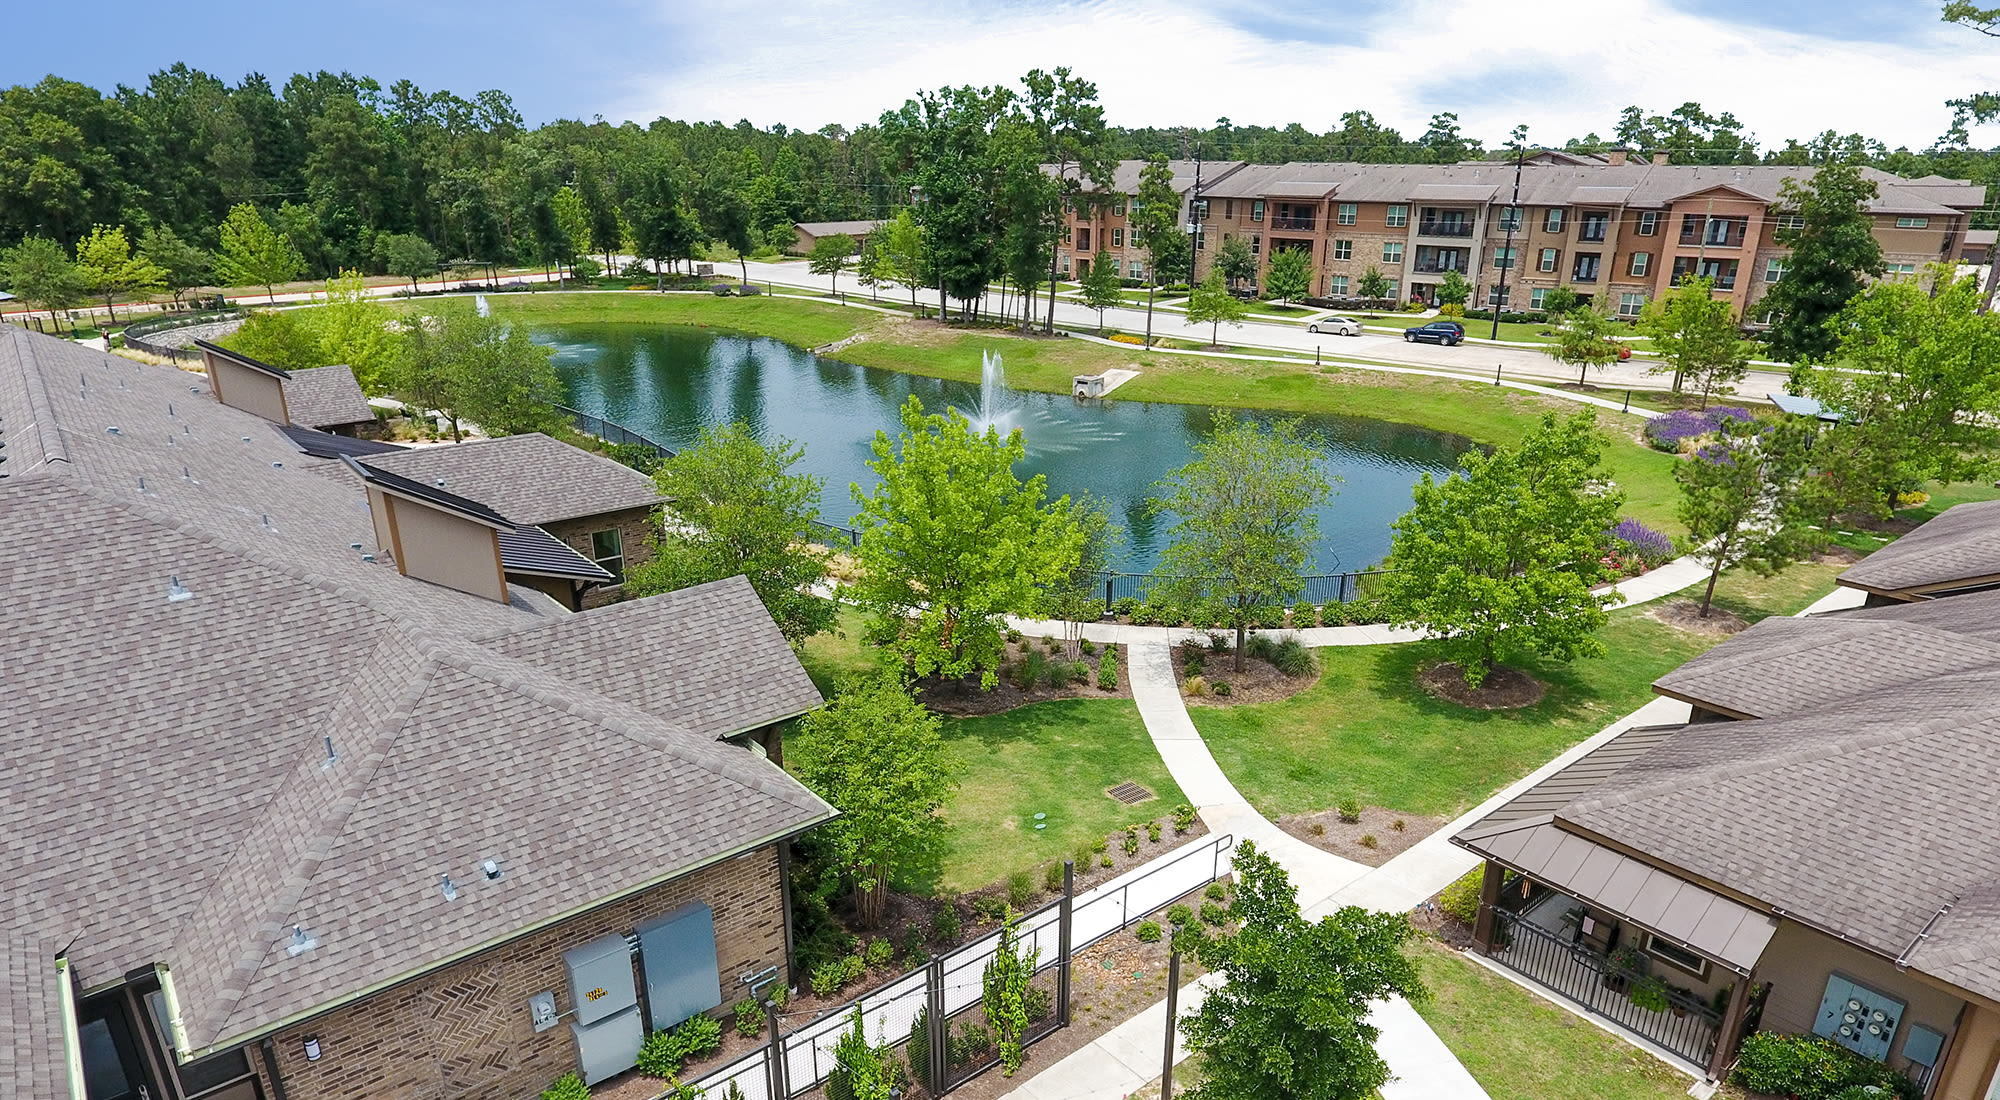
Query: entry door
113	1066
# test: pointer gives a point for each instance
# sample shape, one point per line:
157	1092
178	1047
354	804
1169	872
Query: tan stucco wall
441	548
1971	1058
1798	963
239	387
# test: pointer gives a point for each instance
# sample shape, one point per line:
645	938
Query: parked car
1437	332
1337	326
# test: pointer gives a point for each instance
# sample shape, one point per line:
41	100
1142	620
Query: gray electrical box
605	999
678	954
1859	1018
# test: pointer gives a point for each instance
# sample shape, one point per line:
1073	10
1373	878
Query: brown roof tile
527	478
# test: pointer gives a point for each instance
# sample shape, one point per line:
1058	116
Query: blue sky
1785	67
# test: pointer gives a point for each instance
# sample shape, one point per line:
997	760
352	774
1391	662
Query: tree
903	251
1102	286
1445	142
354	328
1917	375
1155	218
40	273
1374	284
663	228
1289	1020
1504	552
952	541
1244	518
1212	304
1236	262
1744	499
830	255
1289	276
1062	110
868	266
879	758
1079	595
407	255
183	266
476	368
1453	289
733	509
105	263
572	224
1696	337
286	339
1559	301
254	254
1586	337
1834	250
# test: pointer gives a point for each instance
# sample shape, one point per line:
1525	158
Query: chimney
1617	157
1659	158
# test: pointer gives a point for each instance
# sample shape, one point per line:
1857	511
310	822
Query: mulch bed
1837	555
1259	682
1503	689
964	696
1325	830
1686	615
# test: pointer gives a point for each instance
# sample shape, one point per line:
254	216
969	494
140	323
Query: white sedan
1336	326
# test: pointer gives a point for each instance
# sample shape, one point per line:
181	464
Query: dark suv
1437	332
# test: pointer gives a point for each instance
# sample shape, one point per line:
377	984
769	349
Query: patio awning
1696	918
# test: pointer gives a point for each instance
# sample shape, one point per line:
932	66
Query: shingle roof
858	228
1784	665
166	799
326	397
1973	614
527	478
1961	544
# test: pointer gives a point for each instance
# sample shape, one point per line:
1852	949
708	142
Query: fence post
940	1029
1063	943
1173	999
775	1056
1108	601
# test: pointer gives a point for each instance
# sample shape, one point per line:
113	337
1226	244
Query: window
1118	207
1585	268
1200	239
1138	270
1498	297
607	549
1641	263
1503	258
1896	270
1348	213
1912	223
1549	258
1774	270
1649	222
1337	286
1535	297
1117	237
1063	258
1399	216
1722	271
1229	208
1392	252
1676	956
1343	250
1791	221
1553	223
1595	224
1631	305
1510	219
1256	244
1257	210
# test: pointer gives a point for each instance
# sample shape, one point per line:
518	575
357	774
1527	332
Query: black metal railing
1439	267
1282	222
1323	589
1444	229
611	432
1633	999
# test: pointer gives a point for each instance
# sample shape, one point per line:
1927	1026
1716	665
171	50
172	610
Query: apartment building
1613	228
1102	220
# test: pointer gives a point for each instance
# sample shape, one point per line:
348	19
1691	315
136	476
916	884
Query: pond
667	382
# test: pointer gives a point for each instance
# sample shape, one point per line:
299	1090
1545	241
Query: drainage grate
1130	793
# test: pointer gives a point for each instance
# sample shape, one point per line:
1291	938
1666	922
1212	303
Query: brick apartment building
1613	228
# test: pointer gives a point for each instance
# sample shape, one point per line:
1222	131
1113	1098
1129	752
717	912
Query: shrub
1642	542
1104	860
1452	309
1216	891
1194	664
1056	675
1292	658
1079	672
1020	889
1368	841
1399	824
1650	994
1127	338
1222	687
1049	643
944	924
1213	914
1266	617
1085	854
1179	915
827	978
1003	993
1131	844
1912	498
860	1070
749	1017
567	1087
972	1041
1052	877
1812	1069
1261	646
1100	845
1460	900
1125	607
1184	816
913	945
1305	615
880	952
1195	686
918	1049
989	908
1148	932
1349	808
1153	831
1036	1002
1667	433
1013	635
1088	647
1107	670
1317	828
1220	643
664	1052
1029	671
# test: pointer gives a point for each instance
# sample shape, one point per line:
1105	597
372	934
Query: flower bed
1671	432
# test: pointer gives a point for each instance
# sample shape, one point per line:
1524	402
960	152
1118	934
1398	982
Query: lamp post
1513	219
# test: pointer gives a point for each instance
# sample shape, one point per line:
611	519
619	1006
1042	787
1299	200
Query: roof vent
177	593
246	439
170	410
301	942
367	557
332	757
113	429
439	482
354	546
267	523
448	888
491	869
277	465
186	476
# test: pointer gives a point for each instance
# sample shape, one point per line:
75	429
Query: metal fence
611	432
1682	1024
1323	589
948	988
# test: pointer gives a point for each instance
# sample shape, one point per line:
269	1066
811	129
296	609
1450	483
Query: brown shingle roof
1960	544
1785	666
326	397
527	478
166	800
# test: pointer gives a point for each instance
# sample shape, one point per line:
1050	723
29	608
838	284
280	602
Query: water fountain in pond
1045	428
480	307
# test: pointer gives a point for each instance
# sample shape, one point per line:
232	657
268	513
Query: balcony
1444	229
1439	266
1282	221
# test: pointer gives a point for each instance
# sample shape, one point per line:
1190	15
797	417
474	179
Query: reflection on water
667	382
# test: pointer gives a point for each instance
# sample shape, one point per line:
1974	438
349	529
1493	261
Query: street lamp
1513	220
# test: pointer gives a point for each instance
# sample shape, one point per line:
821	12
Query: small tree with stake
1212	304
1586	339
1374	284
1289	276
1744	499
1453	289
830	255
1101	286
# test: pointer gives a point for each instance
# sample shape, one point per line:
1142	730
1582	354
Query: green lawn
1520	1047
839	652
1055	758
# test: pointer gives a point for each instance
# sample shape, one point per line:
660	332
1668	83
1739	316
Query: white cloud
1565	67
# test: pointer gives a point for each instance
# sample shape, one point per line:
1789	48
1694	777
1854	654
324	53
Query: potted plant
1650	994
1626	964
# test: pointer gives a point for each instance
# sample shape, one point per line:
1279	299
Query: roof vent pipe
176	593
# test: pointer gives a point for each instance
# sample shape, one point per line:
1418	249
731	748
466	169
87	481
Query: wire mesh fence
1325	588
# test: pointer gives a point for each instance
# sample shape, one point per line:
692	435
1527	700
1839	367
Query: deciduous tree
952	541
254	254
830	255
1288	277
1745	499
572	224
1062	110
664	229
406	255
1834	253
1374	284
183	265
1696	337
878	757
1155	221
40	273
1102	286
476	368
735	509
105	263
1504	552
1211	304
1586	338
1245	518
1236	262
903	252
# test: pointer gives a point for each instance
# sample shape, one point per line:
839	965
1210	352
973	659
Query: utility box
1089	385
677	953
1859	1018
605	1000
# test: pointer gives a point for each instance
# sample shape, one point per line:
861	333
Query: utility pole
1194	216
1513	218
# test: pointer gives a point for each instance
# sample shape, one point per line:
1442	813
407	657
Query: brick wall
635	526
465	1032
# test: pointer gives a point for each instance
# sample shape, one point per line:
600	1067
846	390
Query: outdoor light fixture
312	1048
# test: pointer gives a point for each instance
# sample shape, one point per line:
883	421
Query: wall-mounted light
312	1048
